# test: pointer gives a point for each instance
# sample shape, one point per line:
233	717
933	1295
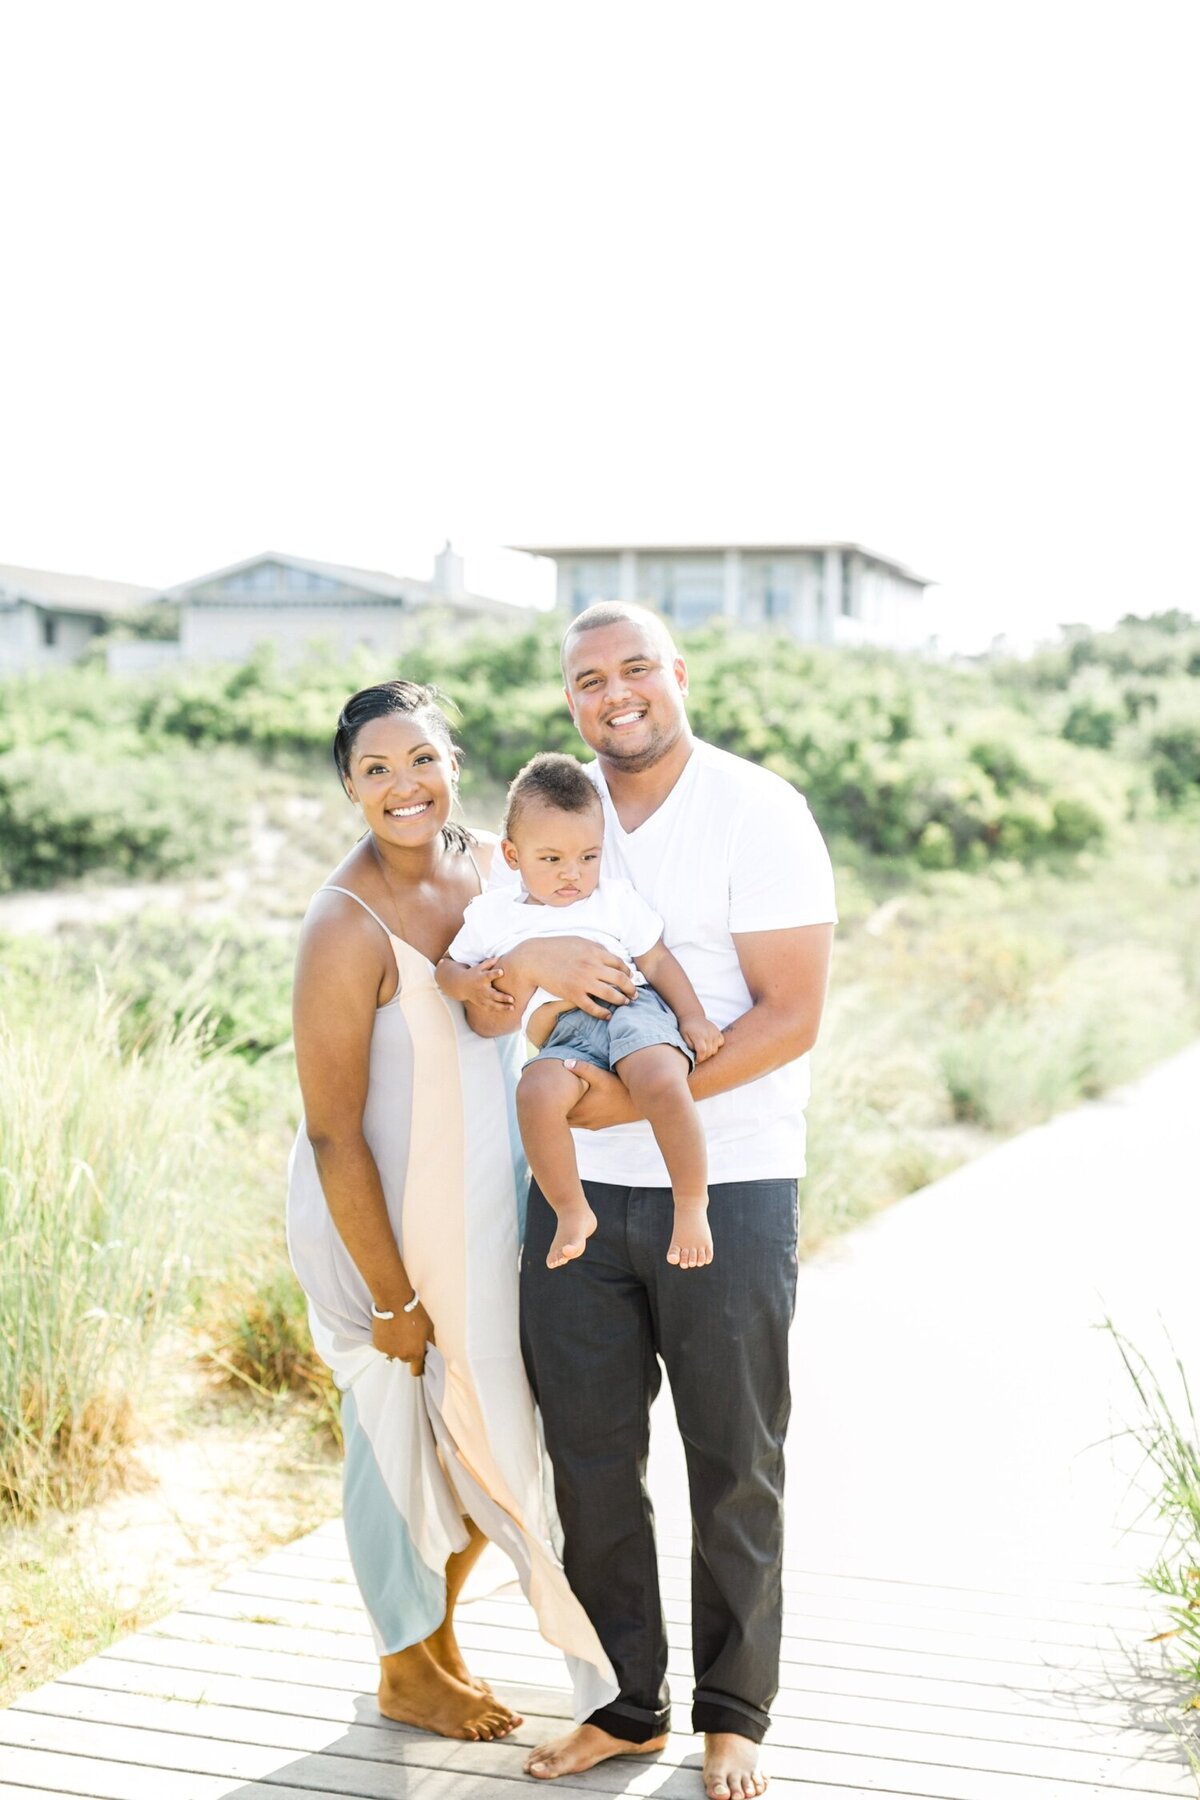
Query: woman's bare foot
576	1223
691	1240
443	1646
425	1696
582	1749
731	1767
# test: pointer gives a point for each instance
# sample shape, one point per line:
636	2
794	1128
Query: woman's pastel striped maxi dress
463	1440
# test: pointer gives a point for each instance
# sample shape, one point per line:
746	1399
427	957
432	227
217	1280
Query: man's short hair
618	612
549	779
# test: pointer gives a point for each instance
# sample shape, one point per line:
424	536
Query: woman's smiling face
403	776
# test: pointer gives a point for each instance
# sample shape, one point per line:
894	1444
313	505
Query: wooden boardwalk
963	1620
264	1686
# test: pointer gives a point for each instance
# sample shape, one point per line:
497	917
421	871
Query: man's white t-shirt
733	848
614	916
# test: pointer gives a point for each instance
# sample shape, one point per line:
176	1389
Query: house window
847	588
769	589
263	578
307	581
687	590
49	629
592	580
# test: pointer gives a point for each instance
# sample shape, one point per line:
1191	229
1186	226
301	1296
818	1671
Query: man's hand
606	1102
574	969
474	986
701	1035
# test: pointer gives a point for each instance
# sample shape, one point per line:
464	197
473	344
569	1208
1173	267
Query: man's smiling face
626	690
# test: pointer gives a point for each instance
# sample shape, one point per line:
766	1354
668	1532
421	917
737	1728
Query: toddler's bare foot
691	1240
576	1223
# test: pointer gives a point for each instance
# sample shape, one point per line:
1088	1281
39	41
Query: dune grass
140	1161
1167	1430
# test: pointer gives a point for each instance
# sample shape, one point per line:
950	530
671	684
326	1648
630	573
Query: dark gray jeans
592	1334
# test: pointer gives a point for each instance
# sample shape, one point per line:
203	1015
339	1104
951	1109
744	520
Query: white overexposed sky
346	279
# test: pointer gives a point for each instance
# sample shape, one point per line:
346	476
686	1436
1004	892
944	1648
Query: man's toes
673	1254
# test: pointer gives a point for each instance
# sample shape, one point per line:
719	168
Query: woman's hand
606	1102
404	1338
574	969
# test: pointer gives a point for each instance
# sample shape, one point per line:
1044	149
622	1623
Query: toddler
554	837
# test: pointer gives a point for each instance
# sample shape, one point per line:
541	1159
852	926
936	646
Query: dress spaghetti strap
331	887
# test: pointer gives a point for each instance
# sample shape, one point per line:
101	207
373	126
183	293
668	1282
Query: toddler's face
557	853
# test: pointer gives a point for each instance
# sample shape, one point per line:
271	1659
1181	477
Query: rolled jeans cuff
633	1724
712	1711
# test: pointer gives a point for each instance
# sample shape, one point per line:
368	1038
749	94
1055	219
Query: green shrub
165	969
1175	749
64	814
917	762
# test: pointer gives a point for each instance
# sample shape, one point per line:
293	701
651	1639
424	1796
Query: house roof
69	593
374	581
371	581
560	551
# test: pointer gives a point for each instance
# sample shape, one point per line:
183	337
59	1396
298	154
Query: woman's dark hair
399	696
552	780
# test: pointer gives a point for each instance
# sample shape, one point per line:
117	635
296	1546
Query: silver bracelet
410	1307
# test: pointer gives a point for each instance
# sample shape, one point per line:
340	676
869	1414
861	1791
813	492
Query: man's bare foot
582	1749
425	1696
731	1767
442	1645
691	1240
576	1223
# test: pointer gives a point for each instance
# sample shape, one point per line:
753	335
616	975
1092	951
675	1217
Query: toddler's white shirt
614	916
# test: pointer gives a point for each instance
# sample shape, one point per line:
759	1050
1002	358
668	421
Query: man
728	854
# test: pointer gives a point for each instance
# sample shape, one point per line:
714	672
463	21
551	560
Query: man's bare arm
787	973
668	977
577	970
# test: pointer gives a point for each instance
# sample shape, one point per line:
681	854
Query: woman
405	1182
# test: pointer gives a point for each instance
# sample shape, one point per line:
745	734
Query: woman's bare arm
343	963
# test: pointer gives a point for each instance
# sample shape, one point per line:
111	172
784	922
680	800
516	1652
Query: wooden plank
504	1656
266	1586
373	1773
1046	1595
828	1621
376	1739
140	1668
949	1696
348	1706
488	1627
48	1774
61	1777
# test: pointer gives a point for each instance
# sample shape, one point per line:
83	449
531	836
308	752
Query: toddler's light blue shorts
646	1020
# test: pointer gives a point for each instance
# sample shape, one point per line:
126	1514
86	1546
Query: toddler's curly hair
550	779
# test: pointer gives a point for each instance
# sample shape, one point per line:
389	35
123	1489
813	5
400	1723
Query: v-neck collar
663	810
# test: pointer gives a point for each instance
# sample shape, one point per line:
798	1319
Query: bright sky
343	280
